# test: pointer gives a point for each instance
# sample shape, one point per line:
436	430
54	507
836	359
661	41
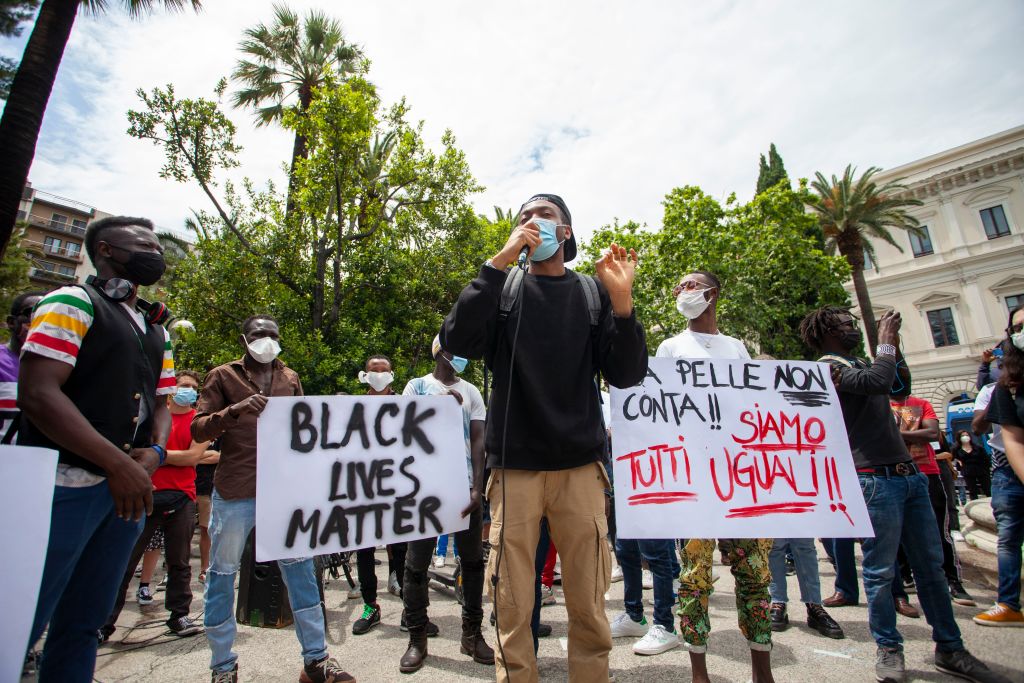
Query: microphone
523	253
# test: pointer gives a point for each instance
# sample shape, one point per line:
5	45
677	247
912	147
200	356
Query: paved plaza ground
800	655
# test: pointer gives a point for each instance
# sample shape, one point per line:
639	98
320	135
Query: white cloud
611	105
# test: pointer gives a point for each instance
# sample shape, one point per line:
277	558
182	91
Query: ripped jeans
230	524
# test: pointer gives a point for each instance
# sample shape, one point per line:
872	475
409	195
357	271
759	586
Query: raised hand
616	271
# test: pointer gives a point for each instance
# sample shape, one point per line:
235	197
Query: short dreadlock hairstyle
817	324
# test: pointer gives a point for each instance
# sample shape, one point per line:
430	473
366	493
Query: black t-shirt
1006	408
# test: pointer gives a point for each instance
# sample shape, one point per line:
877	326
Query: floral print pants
748	559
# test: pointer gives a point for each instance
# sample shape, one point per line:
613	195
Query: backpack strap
593	298
837	359
509	293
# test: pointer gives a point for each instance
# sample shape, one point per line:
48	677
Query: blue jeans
1008	507
659	555
897	504
230	524
87	554
805	557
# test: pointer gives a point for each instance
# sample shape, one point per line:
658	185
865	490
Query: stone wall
941	390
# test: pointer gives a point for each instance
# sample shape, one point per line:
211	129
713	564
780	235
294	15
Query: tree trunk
23	115
299	151
867	314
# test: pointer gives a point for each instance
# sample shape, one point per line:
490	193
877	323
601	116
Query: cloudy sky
609	104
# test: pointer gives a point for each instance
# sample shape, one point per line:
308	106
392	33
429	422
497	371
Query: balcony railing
57	226
51	275
60	252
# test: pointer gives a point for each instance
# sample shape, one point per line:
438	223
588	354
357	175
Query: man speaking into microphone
545	334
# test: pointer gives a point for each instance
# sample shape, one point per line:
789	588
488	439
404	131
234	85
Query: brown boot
474	645
416	653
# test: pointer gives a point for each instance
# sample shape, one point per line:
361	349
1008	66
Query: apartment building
955	284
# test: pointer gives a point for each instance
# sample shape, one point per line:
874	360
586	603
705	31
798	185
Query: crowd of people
146	450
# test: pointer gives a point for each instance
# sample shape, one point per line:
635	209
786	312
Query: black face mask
850	339
143	267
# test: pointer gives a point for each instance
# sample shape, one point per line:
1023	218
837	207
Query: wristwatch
885	350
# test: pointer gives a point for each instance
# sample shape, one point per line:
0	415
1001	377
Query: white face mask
1018	340
378	380
692	302
965	439
264	349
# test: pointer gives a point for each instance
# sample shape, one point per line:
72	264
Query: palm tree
30	92
853	211
286	61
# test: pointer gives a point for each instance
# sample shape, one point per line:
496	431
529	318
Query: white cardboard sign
25	534
339	473
707	448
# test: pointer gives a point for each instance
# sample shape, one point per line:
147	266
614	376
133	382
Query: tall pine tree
772	172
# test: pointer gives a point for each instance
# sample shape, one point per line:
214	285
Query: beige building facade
955	285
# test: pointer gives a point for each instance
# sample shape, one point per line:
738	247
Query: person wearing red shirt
919	426
174	511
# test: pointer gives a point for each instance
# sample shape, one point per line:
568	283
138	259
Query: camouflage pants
748	559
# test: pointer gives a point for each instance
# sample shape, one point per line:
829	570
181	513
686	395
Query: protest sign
707	448
339	473
25	508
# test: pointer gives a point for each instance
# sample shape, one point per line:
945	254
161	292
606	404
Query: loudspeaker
262	595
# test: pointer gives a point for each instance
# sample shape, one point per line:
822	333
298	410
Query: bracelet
885	350
161	451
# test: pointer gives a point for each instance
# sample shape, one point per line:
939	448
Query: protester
174	513
697	296
17	327
1006	413
205	470
444	381
919	426
233	397
378	375
93	376
805	560
660	636
545	439
991	366
975	464
896	496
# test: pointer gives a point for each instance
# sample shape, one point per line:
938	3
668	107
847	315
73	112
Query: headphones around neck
118	290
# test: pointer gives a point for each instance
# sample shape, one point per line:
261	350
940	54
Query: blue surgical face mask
186	396
458	364
549	242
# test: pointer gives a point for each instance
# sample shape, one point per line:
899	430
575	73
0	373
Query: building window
59	218
52	245
869	263
47	266
73	248
67	270
943	328
78	223
994	220
921	244
1013	301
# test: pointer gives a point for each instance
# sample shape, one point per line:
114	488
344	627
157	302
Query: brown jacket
226	385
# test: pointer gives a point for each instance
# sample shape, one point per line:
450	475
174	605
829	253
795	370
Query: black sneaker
909	586
543	630
327	670
103	635
780	620
959	595
183	626
225	676
820	621
370	618
432	629
144	596
965	665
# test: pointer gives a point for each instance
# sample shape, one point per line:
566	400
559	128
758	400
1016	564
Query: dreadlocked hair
817	324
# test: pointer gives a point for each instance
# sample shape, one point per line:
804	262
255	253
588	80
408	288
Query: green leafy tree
772	273
852	212
772	172
13	274
30	92
13	13
286	62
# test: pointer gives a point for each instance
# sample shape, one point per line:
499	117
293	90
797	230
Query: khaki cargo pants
573	501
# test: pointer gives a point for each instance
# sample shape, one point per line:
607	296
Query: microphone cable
520	298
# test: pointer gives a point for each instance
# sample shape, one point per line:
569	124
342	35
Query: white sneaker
648	579
616	573
438	561
547	595
624	626
656	641
393	586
